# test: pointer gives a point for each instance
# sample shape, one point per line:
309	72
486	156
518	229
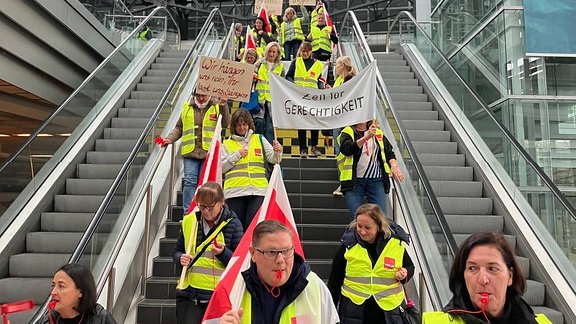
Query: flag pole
191	246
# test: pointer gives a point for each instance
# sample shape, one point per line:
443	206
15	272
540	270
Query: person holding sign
369	270
306	71
244	157
211	235
196	128
291	33
322	37
261	36
270	63
365	161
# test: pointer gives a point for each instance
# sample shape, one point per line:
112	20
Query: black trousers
302	140
189	311
245	208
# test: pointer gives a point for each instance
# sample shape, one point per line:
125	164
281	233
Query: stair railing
405	203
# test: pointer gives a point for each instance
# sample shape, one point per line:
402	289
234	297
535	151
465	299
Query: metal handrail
82	85
519	148
435	205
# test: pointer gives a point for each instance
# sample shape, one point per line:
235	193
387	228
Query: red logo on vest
389	263
213	117
379	137
312	73
258	152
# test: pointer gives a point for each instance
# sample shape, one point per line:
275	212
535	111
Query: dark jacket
233	232
369	311
516	310
267	309
97	316
348	146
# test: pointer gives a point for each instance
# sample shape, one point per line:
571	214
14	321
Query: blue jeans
192	169
291	49
372	188
264	125
335	133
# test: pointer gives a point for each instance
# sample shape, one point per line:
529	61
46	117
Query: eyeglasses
207	207
273	254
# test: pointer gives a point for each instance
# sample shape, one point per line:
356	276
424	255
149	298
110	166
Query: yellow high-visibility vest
445	318
307	78
320	39
346	162
249	170
263	86
189	127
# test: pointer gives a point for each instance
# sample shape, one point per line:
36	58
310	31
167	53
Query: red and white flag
230	289
212	167
328	20
264	15
249	42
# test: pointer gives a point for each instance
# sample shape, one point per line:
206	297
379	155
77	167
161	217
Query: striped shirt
368	165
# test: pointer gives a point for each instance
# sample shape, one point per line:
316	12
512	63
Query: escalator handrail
435	205
89	78
519	148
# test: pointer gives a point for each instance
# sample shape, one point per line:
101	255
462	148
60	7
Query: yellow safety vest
189	128
249	170
261	46
363	281
298	33
321	40
306	307
206	271
339	81
441	318
307	78
263	86
346	162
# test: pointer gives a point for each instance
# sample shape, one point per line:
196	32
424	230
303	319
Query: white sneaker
337	192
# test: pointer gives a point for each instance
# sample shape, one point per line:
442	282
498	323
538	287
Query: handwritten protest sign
273	7
220	77
302	2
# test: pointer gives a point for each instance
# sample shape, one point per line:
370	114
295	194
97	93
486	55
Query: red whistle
484	300
279	274
52	304
215	243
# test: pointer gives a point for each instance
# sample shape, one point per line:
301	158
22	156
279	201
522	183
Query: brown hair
266	227
241	115
307	46
209	193
457	283
377	215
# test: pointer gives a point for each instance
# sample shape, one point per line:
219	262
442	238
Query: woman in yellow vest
261	36
196	128
306	71
322	37
244	157
269	63
218	234
365	162
369	270
291	33
487	284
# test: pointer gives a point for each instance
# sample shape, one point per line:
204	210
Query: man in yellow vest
280	287
322	37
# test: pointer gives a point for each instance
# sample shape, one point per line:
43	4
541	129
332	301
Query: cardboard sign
273	7
219	77
302	2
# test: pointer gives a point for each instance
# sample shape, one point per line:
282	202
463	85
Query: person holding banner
291	33
270	63
369	270
322	37
261	36
196	128
365	161
306	71
244	157
212	234
280	287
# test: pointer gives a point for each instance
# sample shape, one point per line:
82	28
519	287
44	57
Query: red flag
212	167
328	19
264	15
230	289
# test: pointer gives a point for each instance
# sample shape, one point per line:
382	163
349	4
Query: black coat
98	316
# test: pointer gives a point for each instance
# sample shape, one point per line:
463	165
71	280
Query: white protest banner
296	107
218	77
273	7
302	2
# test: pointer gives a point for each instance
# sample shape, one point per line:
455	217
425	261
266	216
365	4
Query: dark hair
264	24
265	227
209	193
457	283
241	115
84	281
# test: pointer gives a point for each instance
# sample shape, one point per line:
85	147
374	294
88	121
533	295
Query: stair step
52	242
418	115
466	205
413	106
315	200
442	159
447	173
457	188
26	264
423	135
479	223
436	147
76	186
423	124
161	311
36	289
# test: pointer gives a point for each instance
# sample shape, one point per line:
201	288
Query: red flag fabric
212	167
328	19
264	15
230	289
250	42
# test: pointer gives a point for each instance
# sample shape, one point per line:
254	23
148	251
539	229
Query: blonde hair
289	9
268	47
377	215
347	64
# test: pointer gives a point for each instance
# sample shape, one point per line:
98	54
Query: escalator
464	179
